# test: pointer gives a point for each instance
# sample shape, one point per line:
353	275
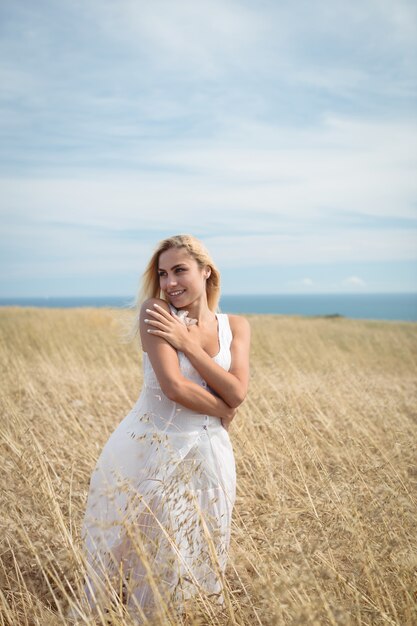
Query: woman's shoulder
143	328
238	324
149	302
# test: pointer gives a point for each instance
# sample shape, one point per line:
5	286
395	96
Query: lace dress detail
160	501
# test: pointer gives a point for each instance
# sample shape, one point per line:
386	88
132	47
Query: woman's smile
176	294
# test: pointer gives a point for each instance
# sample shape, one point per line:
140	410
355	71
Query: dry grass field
324	527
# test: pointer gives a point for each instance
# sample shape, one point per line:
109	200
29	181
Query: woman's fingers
167	314
157	317
162	323
161	314
152	312
161	311
155	323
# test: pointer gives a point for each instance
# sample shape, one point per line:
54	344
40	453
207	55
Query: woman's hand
170	328
228	418
226	423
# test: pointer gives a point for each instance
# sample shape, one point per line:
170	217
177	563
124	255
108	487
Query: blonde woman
157	524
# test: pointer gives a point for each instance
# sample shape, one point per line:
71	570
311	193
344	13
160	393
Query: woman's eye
182	269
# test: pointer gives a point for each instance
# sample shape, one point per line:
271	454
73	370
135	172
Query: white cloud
344	166
206	38
354	281
53	249
284	129
328	247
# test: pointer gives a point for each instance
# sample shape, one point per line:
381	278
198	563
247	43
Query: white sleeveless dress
160	499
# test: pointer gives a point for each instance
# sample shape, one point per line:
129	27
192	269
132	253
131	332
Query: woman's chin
177	301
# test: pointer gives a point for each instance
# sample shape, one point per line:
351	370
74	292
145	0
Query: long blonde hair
149	283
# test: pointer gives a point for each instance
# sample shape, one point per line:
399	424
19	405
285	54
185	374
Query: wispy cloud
354	281
342	167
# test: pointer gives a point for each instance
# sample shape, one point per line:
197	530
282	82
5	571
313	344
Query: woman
158	515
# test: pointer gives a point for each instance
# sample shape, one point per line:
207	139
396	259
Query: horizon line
231	295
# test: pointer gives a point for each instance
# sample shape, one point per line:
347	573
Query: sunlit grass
325	444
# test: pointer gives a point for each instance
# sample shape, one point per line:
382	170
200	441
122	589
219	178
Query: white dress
160	500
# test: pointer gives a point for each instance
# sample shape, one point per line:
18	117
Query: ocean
381	306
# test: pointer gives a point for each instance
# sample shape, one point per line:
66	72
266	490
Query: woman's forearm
222	382
194	397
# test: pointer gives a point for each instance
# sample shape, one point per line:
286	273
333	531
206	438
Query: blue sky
283	135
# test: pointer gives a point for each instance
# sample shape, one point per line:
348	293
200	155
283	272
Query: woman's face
180	277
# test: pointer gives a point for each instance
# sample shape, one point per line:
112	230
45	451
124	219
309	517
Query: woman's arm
230	385
175	386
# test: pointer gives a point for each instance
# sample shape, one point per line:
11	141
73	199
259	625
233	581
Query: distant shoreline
382	306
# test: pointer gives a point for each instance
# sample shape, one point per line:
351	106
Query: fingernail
156	305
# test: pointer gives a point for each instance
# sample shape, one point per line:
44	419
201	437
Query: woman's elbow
173	390
238	399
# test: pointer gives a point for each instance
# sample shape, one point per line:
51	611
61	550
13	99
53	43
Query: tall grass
325	444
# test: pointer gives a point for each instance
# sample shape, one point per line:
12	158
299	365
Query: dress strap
225	332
